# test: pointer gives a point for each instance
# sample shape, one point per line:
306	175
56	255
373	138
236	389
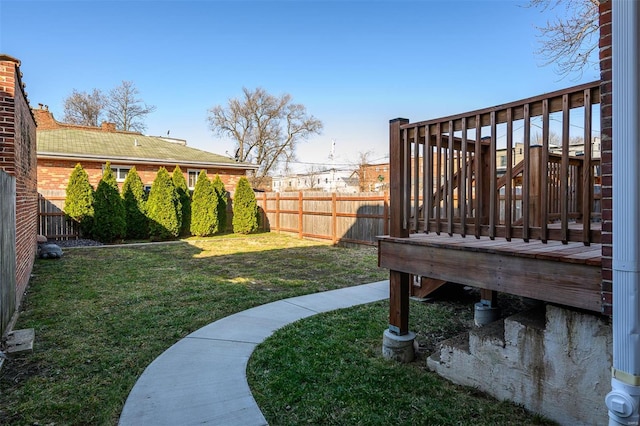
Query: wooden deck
567	274
484	199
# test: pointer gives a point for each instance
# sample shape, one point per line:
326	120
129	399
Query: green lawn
101	315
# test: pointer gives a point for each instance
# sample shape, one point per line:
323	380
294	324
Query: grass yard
101	315
328	370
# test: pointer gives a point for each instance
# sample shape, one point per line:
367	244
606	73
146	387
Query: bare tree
360	167
125	109
84	108
265	128
313	174
568	43
554	139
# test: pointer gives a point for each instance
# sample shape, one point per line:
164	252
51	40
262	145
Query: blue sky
354	64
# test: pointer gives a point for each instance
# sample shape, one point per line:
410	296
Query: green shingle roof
124	146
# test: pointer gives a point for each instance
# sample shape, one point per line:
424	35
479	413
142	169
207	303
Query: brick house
18	228
61	146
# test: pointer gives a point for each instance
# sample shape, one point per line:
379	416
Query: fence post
278	212
300	215
264	212
334	219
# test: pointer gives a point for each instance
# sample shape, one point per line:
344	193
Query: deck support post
398	341
487	310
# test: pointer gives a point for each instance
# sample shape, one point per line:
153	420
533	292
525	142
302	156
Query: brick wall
18	158
53	175
607	159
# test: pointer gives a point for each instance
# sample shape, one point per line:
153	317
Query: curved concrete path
202	378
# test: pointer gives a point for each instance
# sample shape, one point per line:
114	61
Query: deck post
397	341
398	179
486	311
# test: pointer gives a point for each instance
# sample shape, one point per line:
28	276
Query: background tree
245	208
360	167
569	42
78	203
223	198
204	210
109	220
185	199
125	109
265	128
163	206
134	206
84	108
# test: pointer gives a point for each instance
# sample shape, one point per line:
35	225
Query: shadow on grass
102	314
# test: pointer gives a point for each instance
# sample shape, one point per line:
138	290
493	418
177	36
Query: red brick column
18	158
606	148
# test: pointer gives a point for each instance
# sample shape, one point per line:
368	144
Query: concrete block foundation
553	361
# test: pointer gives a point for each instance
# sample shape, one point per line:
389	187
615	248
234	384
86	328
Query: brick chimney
44	118
108	127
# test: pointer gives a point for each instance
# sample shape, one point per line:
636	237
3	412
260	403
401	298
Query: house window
120	172
503	161
192	178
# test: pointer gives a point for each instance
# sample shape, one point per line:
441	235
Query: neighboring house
330	180
18	194
374	177
61	146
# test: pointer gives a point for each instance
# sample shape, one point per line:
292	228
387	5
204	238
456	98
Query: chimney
44	118
108	127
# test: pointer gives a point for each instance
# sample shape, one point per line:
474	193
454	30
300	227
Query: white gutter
623	401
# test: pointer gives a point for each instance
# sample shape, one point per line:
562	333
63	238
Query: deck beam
564	274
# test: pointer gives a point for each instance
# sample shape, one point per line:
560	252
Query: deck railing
528	169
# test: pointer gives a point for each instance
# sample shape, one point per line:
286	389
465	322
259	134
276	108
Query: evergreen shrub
78	204
109	220
133	197
245	208
223	198
163	206
204	208
185	199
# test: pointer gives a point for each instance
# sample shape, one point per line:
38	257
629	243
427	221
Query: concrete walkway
202	378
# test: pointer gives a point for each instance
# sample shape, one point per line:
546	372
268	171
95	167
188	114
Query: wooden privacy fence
7	249
52	222
341	218
353	218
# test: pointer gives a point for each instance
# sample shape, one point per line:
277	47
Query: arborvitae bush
223	198
78	204
245	208
204	208
163	206
134	206
185	199
109	220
